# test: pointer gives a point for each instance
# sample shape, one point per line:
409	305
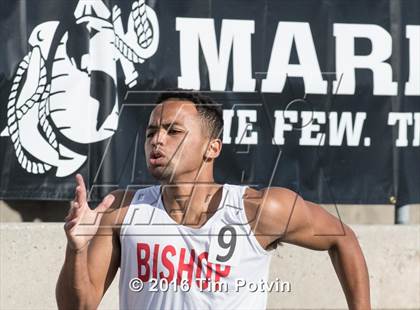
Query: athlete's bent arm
86	274
92	253
306	224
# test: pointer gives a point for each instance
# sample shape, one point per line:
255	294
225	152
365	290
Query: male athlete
190	243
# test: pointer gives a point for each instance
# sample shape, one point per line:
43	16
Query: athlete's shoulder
271	207
271	198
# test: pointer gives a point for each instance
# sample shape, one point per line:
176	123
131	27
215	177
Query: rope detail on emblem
15	113
144	32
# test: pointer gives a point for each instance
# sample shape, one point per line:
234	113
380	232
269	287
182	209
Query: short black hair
210	111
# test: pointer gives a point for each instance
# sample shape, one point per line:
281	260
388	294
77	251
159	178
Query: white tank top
164	265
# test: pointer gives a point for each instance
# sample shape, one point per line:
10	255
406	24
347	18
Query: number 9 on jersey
224	245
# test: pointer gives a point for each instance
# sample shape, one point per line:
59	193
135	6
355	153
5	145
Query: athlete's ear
213	150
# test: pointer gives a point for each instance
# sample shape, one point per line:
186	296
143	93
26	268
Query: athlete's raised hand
81	223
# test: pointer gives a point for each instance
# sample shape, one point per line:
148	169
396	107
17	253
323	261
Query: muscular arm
87	273
286	217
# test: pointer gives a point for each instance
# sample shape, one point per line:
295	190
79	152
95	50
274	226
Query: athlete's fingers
70	224
71	209
76	196
75	211
105	203
69	216
74	204
79	196
75	199
81	192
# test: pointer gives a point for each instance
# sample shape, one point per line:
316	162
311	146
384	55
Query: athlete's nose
159	137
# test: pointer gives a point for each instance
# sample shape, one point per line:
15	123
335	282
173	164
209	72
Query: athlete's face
176	141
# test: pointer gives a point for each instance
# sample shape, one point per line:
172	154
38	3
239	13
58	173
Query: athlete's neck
191	204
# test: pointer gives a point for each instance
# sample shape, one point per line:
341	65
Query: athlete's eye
173	131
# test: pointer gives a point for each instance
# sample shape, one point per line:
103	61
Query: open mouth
156	158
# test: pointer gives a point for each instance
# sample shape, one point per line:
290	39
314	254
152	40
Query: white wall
31	255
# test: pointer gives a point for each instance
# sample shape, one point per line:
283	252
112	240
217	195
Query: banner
322	97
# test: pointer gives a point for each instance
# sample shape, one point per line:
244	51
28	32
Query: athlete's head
183	137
